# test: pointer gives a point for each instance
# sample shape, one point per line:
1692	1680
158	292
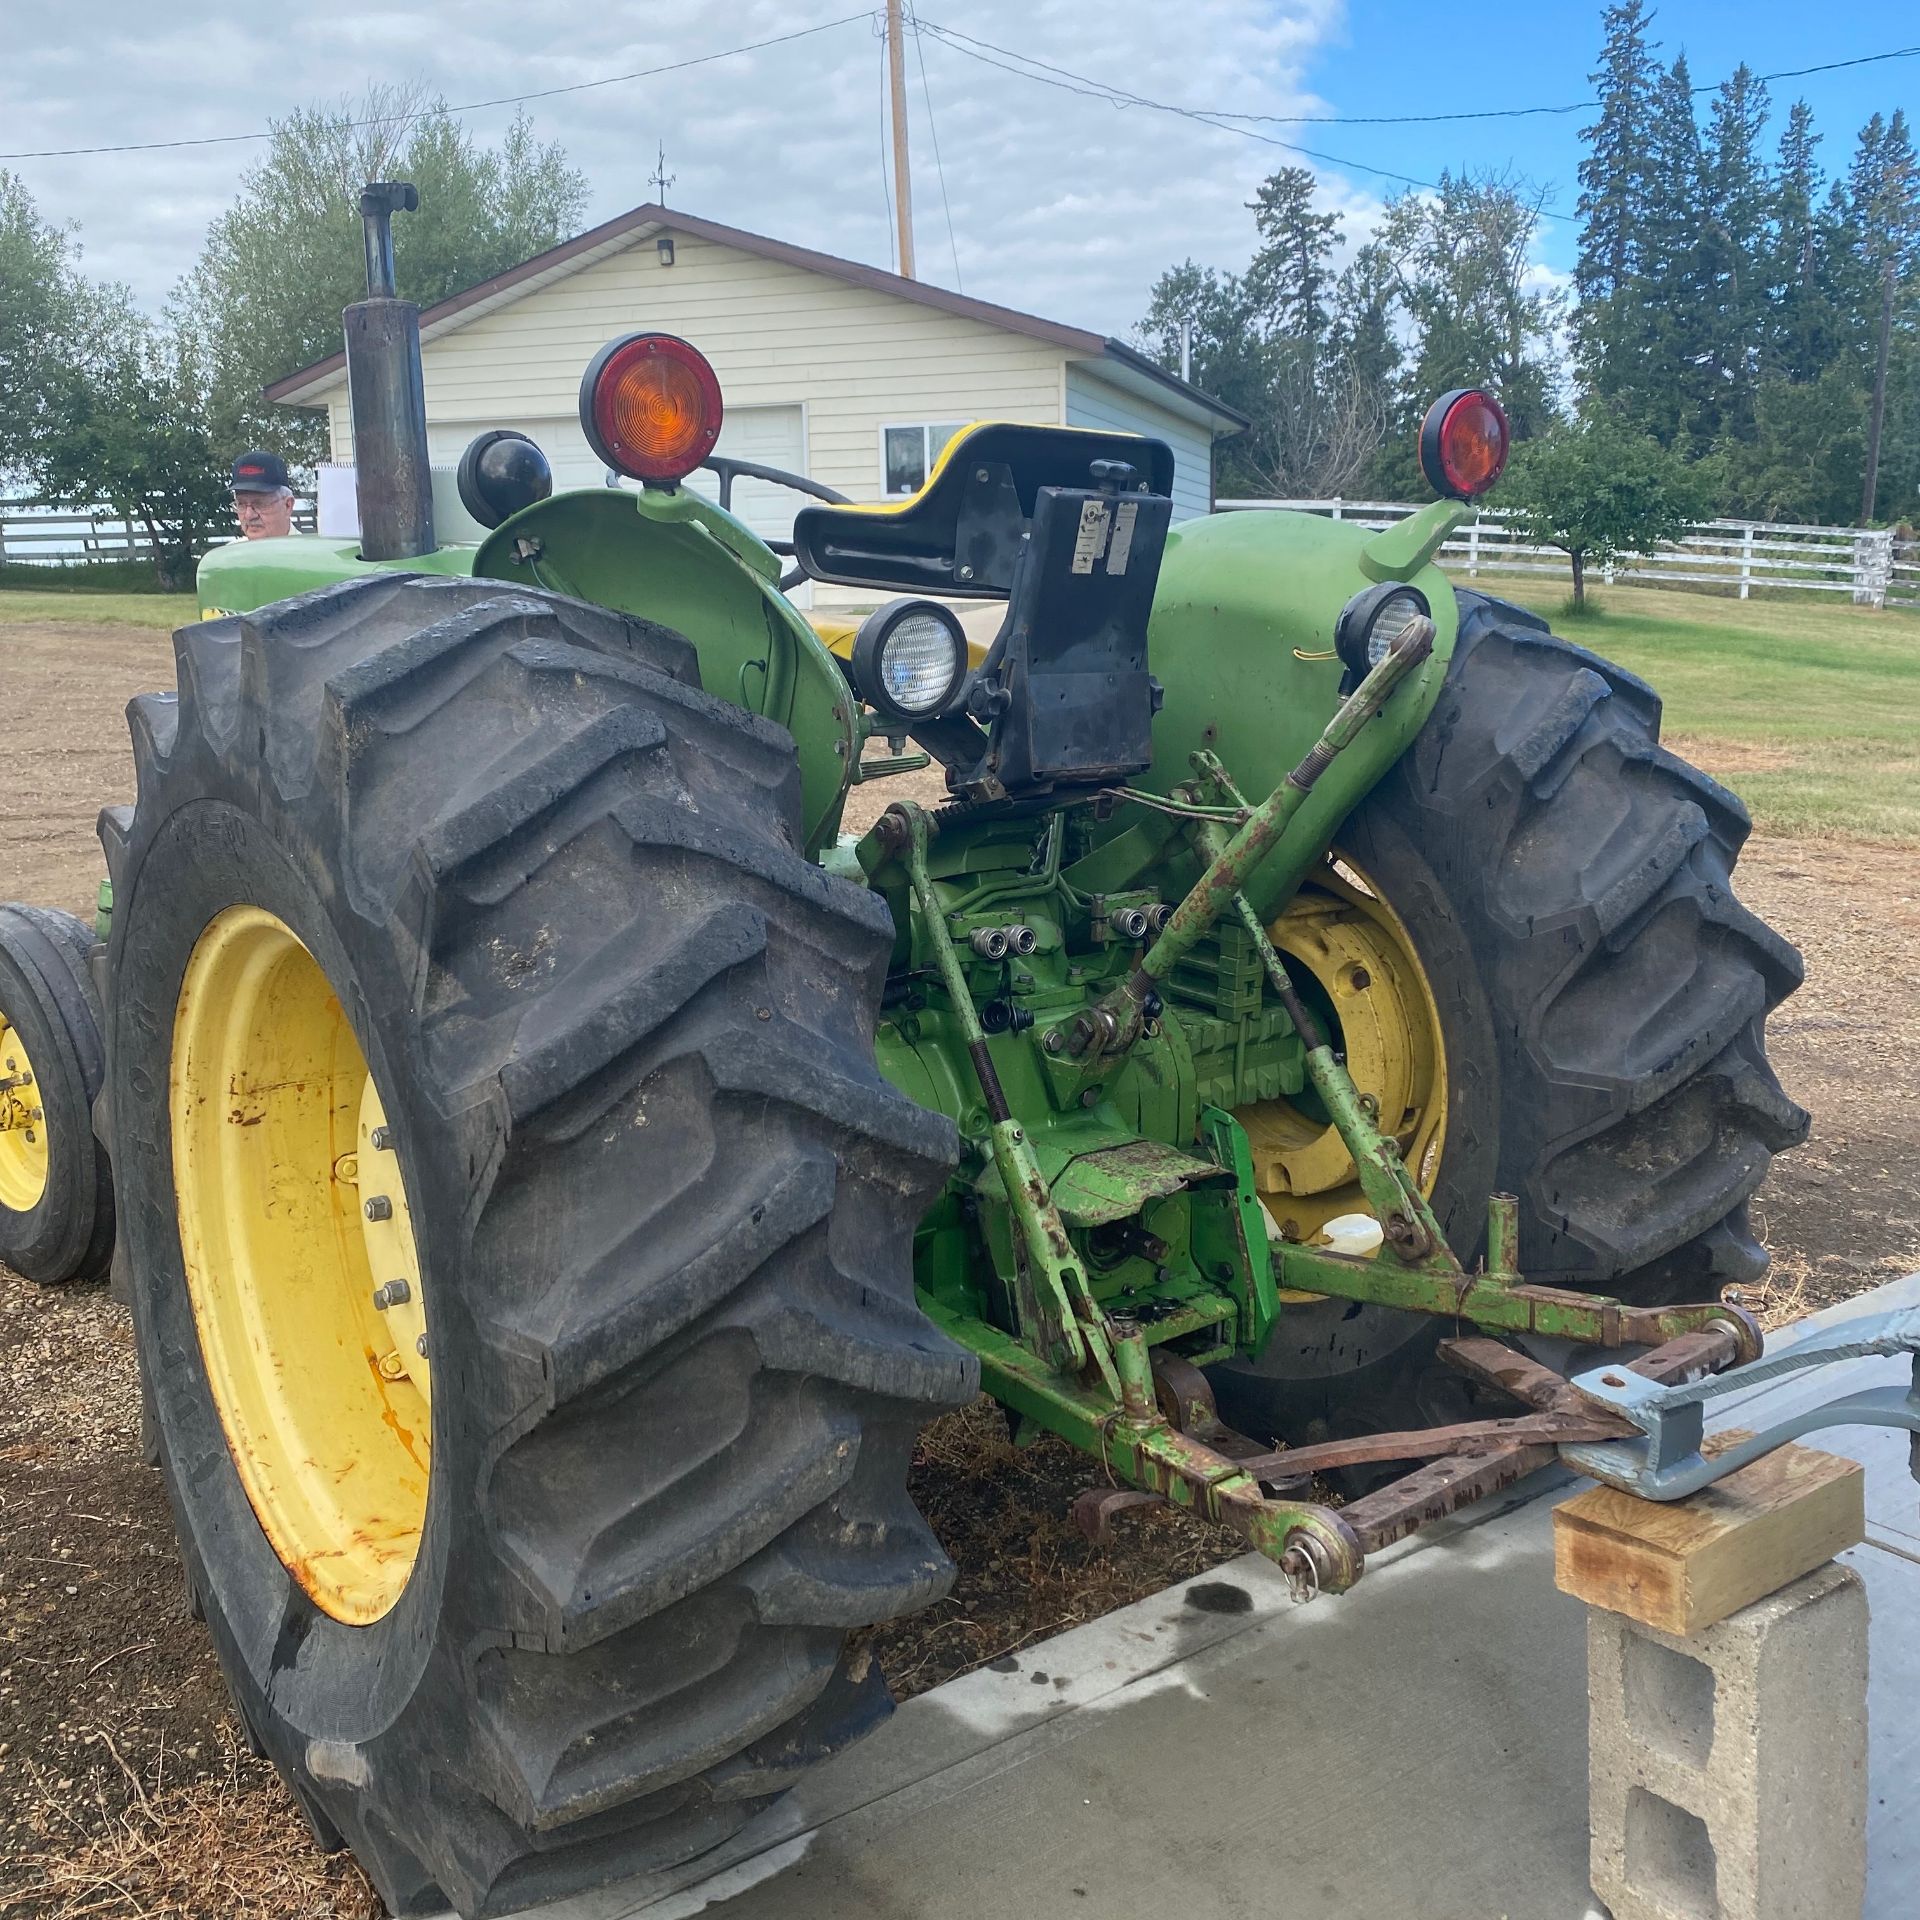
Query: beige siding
1093	402
777	335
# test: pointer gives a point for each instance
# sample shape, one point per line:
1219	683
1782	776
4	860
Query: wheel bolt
381	1139
391	1293
420	1346
379	1208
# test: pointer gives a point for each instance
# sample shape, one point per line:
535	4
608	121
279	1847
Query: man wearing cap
262	496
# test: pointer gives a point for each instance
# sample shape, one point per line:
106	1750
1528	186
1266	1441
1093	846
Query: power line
946	206
1522	113
468	106
1091	89
1120	96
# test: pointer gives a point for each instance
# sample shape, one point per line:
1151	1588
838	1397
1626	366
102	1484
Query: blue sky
1060	204
1397	58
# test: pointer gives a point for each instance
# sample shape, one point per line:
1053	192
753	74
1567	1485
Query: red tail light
650	406
1463	443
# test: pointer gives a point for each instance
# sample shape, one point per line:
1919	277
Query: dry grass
230	1846
1025	1572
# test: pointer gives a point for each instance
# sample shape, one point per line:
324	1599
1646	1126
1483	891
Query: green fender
671	556
1242	641
663	553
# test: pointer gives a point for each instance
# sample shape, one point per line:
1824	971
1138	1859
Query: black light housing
1371	621
898	666
501	472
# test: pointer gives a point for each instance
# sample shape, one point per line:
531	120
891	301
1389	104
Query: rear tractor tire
1597	999
56	1188
519	1231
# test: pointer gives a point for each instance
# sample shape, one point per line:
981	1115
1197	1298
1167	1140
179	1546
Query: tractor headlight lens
1371	622
909	659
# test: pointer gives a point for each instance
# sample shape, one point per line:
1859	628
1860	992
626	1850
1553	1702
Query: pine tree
1671	390
1737	248
1801	345
1883	221
1615	187
1290	280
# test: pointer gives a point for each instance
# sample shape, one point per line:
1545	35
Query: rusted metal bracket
1092	1512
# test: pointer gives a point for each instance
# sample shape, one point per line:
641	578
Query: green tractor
557	1172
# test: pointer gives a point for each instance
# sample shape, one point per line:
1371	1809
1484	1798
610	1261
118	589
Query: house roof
1134	369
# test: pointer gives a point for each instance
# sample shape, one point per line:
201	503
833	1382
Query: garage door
770	436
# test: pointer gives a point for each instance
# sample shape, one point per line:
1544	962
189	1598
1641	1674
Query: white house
845	373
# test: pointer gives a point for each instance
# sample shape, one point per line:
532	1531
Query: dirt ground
124	1786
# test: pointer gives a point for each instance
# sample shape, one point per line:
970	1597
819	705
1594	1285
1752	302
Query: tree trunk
1579	559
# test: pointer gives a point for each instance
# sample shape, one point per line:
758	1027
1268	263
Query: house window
907	454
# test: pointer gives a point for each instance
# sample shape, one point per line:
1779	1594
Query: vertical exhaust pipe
387	393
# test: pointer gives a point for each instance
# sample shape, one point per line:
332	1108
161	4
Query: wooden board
1681	1565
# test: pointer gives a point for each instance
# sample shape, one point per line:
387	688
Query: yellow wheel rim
1352	956
293	1211
23	1125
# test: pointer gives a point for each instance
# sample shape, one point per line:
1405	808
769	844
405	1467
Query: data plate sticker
1091	541
1124	516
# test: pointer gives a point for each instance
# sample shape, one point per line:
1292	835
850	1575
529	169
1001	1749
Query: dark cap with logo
260	473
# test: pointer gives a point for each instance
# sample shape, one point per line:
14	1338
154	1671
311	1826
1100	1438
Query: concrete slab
1415	1747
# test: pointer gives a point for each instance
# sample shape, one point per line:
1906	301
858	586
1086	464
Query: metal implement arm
1665	1461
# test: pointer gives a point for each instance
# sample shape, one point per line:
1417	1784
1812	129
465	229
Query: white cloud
1062	205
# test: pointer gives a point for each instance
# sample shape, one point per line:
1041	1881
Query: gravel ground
124	1786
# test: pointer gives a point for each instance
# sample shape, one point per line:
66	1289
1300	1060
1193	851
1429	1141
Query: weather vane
660	177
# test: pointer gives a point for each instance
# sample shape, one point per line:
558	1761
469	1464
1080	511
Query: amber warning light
1463	443
650	407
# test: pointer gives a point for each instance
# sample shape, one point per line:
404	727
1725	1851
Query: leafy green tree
39	319
278	266
1600	490
1459	260
1616	183
1210	314
1803	462
129	431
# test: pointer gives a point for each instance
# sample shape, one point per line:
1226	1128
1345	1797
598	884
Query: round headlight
909	659
1371	622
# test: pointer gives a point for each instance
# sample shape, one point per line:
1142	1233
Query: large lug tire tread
1603	997
664	1204
1592	873
47	990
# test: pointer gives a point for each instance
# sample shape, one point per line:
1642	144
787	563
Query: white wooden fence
1876	566
34	533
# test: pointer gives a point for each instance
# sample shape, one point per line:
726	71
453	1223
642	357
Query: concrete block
1728	1768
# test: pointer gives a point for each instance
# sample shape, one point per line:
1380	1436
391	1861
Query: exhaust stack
387	395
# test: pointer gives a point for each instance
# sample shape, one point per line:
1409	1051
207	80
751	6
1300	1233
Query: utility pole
1871	485
897	92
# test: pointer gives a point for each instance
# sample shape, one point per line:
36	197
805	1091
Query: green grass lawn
163	610
1808	709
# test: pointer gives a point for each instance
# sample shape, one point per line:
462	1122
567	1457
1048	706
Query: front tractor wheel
1527	944
56	1189
518	1228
